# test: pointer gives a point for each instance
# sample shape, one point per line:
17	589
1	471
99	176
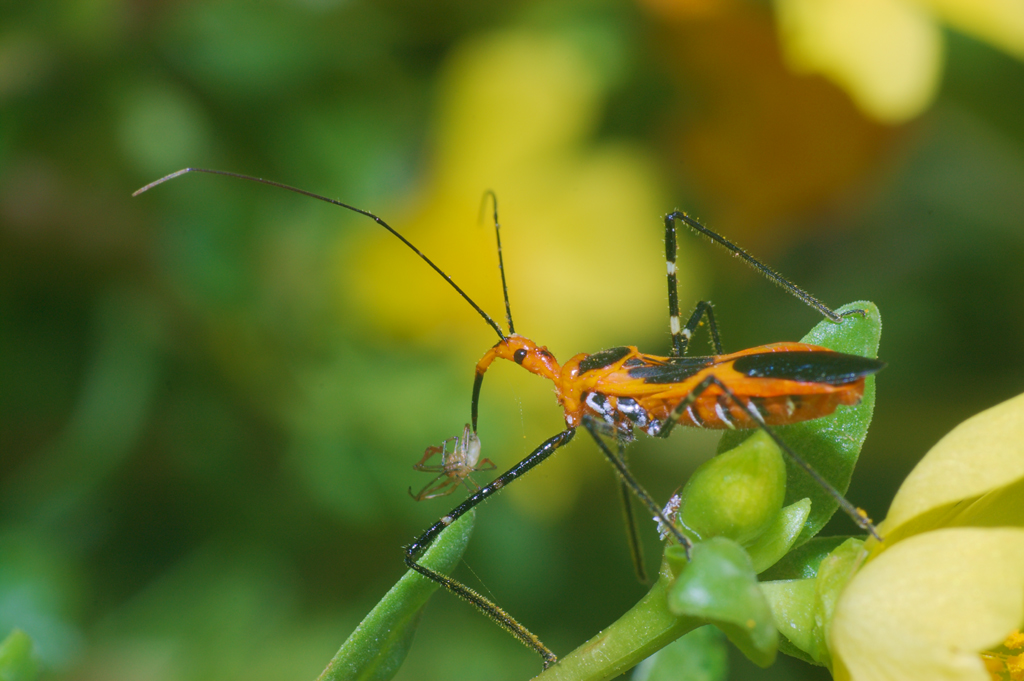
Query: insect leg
765	271
681	335
636	547
499	616
678	341
617	461
435	488
666	427
703	309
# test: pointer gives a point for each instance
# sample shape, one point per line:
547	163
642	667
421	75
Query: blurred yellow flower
582	232
943	597
888	54
582	237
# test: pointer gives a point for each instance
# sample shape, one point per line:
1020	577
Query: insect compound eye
519	355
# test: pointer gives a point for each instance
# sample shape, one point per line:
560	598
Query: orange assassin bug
617	391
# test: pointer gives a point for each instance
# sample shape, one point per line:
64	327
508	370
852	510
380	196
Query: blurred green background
211	396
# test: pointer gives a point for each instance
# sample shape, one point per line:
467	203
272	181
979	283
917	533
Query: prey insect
455	466
615	392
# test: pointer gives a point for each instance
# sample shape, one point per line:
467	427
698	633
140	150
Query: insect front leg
626	476
484	605
668	424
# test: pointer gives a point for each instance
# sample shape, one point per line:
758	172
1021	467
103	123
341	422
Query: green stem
646	628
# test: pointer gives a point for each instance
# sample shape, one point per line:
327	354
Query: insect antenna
379	221
501	261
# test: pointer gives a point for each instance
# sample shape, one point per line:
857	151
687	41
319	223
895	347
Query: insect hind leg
766	271
666	426
681	335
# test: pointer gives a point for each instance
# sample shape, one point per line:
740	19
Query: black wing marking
832	368
600	360
674	370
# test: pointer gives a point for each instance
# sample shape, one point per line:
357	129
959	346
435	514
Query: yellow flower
888	54
943	597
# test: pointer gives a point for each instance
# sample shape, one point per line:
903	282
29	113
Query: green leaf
779	538
830	444
17	662
803	608
700	655
793	606
720	586
803	561
833	574
378	646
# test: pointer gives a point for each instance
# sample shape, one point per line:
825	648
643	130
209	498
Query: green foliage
719	586
779	538
803	561
700	655
17	658
378	646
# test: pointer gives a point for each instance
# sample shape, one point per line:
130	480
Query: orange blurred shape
760	144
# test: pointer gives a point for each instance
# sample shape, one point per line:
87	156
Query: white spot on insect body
753	410
599	403
605	407
790	406
694	419
723	416
671	267
630	411
447	520
673	324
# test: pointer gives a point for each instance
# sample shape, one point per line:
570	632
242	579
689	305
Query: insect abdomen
721	412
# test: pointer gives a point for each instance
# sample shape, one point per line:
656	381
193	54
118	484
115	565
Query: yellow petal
998	22
1002	508
927	606
981	455
887	54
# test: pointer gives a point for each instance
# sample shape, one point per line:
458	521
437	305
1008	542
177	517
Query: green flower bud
738	494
